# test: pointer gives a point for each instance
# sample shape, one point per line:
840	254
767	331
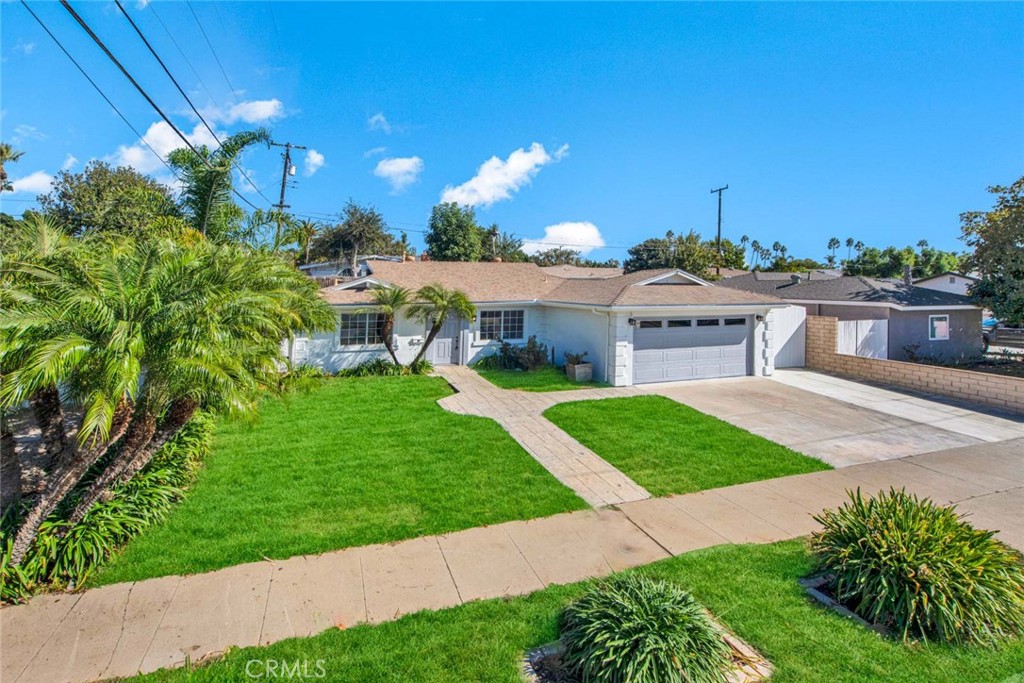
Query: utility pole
718	240
289	169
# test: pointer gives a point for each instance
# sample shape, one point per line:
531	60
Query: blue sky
575	124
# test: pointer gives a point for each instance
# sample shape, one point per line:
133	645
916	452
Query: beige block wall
1005	393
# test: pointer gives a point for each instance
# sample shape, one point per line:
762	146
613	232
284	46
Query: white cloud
25	132
33	183
244	185
496	180
142	4
249	111
379	122
70	161
162	138
400	172
374	152
314	162
581	236
25	48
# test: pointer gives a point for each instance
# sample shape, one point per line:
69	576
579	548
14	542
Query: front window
502	324
360	329
938	327
645	324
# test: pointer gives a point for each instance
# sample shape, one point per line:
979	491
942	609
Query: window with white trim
938	327
507	325
361	329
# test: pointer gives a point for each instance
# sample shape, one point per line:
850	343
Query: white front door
444	350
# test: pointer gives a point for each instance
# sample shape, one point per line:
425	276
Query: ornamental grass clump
637	630
920	570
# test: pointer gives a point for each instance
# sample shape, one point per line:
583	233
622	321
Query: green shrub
64	555
382	367
638	630
920	570
530	356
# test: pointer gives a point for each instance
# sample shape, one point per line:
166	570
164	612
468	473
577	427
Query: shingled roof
485	282
847	288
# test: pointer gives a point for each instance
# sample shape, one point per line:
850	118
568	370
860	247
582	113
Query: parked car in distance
1005	335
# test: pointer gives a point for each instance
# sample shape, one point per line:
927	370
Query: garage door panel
667	354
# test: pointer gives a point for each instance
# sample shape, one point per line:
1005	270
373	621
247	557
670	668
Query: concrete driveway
840	422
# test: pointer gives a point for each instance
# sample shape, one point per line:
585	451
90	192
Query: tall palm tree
8	155
207	175
755	253
833	244
141	335
434	303
849	247
302	234
744	240
389	302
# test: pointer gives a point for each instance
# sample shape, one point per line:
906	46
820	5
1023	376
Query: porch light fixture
759	318
632	321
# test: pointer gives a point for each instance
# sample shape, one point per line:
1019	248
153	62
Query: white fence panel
865	338
790	336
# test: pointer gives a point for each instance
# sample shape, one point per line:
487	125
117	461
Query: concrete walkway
519	412
123	629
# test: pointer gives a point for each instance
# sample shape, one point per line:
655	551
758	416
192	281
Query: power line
99	90
149	99
185	95
210	45
152	8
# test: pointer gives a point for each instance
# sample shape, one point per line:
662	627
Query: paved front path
519	412
126	628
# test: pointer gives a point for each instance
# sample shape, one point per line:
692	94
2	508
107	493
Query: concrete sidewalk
123	629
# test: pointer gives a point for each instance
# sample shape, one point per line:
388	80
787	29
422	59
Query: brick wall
1005	393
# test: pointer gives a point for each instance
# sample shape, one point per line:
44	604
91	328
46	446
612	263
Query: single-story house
955	283
649	326
342	267
920	321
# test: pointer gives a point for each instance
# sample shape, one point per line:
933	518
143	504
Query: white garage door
670	349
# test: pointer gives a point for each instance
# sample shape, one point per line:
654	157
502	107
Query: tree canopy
107	199
997	240
361	231
687	252
453	234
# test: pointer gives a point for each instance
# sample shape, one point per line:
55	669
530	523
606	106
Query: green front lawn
667	447
751	588
545	379
353	462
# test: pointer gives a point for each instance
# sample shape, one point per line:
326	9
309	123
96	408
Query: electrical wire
99	90
210	45
152	8
185	95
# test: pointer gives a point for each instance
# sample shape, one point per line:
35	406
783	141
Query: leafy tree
685	252
389	302
361	226
453	234
206	199
557	256
103	198
434	304
8	155
792	265
502	245
733	255
201	322
997	240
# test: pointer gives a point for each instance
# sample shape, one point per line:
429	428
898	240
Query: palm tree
833	244
389	302
755	253
207	176
744	240
776	247
303	234
434	303
141	335
858	247
8	155
849	246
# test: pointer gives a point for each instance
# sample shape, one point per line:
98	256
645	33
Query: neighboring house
648	326
342	267
581	272
931	323
954	283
